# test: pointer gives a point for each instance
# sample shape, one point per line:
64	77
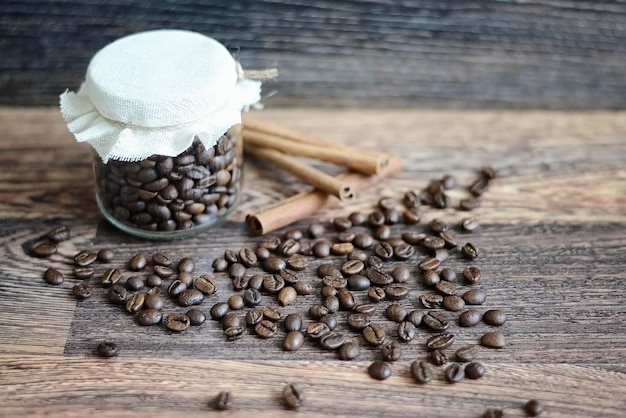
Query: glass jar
172	197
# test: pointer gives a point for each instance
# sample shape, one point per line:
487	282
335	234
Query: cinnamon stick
309	174
350	157
305	204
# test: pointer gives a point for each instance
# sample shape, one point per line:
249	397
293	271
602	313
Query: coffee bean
396	312
342	223
186	264
366	308
254	316
351	267
176	288
382	232
438	357
137	262
415	317
230	320
83	273
297	262
378	276
453	303
376	218
135	302
196	316
321	249
266	329
317	330
252	297
247	257
135	283
374	334
379	370
328	290
431	300
403	251
437	321
316	230
430	278
474	371
363	241
358	282
492	413
287	296
413	238
332	340
533	408
469	251
493	339
107	349
330	320
376	294
272	313
53	276
117	294
479	187
401	273
318	310
241	283
236	270
470	318
223	401
303	288
432	242
111	277
289	247
341	248
274	264
59	234
162	271
437	225
441	254
440	341
189	297
293	322
446	288
293	341
149	317
153	299
391	351
383	250
454	373
219	310
466	353
469	203
293	395
474	297
206	284
186	278
234	333
494	317
335	282
85	258
421	371
348	351
447	274
153	281
219	265
471	274
273	283
358	321
428	263
374	261
406	331
346	299
448	239
469	224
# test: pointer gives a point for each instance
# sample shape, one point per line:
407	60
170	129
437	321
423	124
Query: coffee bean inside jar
171	197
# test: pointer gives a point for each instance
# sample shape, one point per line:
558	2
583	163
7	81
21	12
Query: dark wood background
532	54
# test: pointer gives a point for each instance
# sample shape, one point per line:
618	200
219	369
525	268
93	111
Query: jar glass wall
172	197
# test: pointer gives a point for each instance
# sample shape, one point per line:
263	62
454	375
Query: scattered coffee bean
177	322
219	310
396	291
391	351
466	353
346	299
379	370
111	277
376	294
176	288
236	302
332	340
421	371
533	408
430	278
105	255
135	283
374	335
348	351
440	341
206	284
266	329
189	297
254	316
223	401
448	239
494	317
135	302
438	357
469	203
53	276
293	341
447	274
59	234
469	251
431	300
317	311
149	317
474	370
303	288
85	258
230	320
493	413
474	297
454	373
137	262
186	264
471	274
297	262
118	294
469	318
293	395
272	313
234	333
437	225
453	303
107	349
274	264
428	263
415	317
251	297
196	316
287	296
153	299
358	321
469	224
493	339
293	322
317	330
396	312
406	331
83	273
437	321
366	308
341	248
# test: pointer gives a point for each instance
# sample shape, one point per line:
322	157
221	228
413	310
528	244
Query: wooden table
552	239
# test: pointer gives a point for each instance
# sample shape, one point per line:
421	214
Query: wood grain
552	54
552	234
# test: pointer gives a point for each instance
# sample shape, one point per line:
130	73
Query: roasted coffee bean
111	276
262	254
432	242
493	413
358	282
85	258
357	218
59	234
469	224
392	216
189	297
231	257
469	318
374	261
220	264
332	340
318	310
153	299
289	276
348	351
117	294
186	264
230	320
474	297
341	248
430	278
411	216
53	276
205	283
378	276
471	274
160	259
335	281
431	300
247	257
493	339
137	262
176	288
294	234
135	283
234	333
271	242
391	351
328	291
254	316
447	274
437	321
358	321
469	251
107	349
274	264
415	317
439	341
303	288
428	263
236	270
196	316
396	312
329	320
135	302
494	317
293	341
379	370
163	271
410	199
403	251
272	313
321	249
474	370
466	353
383	250
252	297
406	331
396	291
341	223
351	267
223	401
219	310
533	408
293	322
441	254
297	262
105	255
448	239
241	283
149	317
152	280
413	237
366	308
83	273
479	187
374	335
469	203
255	282
454	373
358	255
438	357
346	299
273	283
382	232
236	302
363	241
317	330
293	395
376	294
82	291
421	371
289	247
437	225
316	230
376	218
331	303
287	295
177	322
266	329
453	303
401	274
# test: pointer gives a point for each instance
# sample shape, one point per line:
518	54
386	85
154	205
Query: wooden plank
550	54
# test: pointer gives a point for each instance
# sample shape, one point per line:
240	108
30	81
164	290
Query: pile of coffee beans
382	281
167	194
